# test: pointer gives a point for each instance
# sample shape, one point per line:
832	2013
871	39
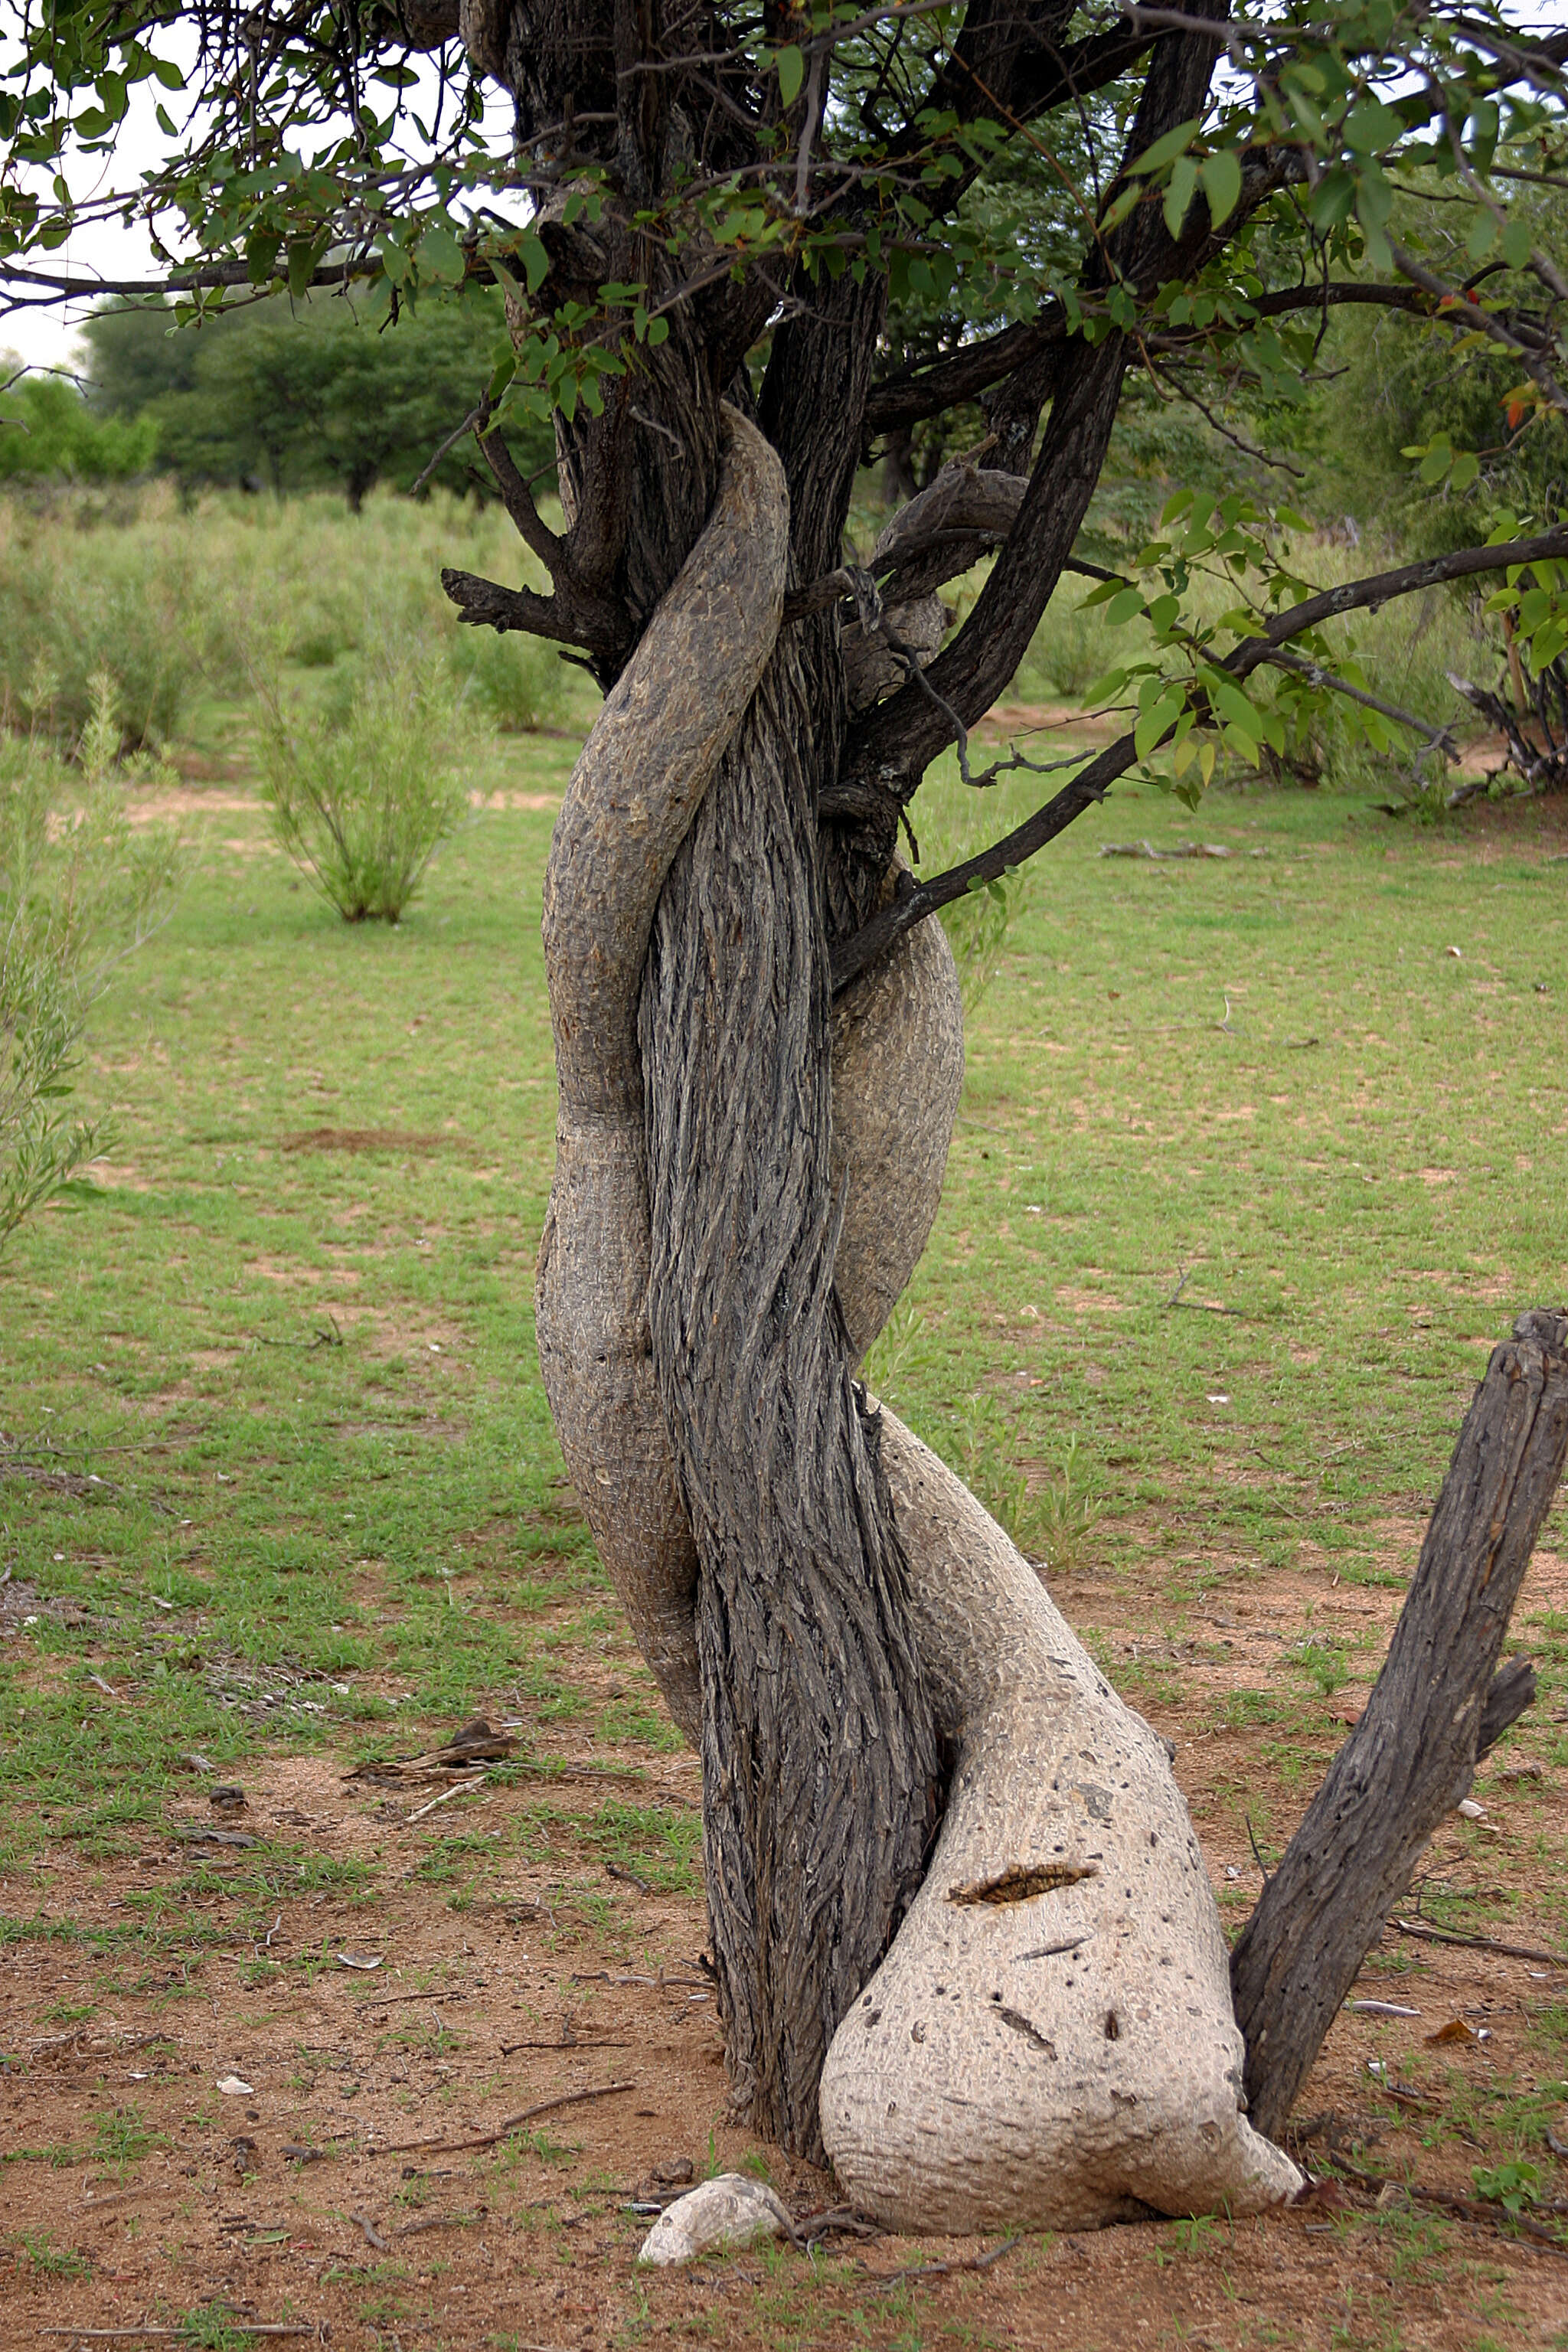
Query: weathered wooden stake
1438	1703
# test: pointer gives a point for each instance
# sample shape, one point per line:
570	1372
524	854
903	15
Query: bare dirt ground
448	2117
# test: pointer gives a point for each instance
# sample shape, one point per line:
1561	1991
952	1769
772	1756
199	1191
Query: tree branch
917	393
517	501
1412	1757
563	618
1089	786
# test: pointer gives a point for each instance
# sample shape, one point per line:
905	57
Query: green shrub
133	604
80	888
48	432
363	788
517	683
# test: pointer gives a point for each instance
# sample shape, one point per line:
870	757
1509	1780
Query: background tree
302	394
713	234
48	432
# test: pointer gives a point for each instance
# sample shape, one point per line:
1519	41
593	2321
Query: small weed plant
49	2261
1066	1514
362	787
80	888
1513	2185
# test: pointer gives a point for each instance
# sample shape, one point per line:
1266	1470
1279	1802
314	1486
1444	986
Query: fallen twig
182	2335
1146	849
593	2042
373	2235
627	1877
835	2221
474	1780
1479	1943
508	2125
1484	2212
387	1999
941	2270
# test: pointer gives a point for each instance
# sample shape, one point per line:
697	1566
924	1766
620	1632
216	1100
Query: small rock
730	2212
235	2087
228	1800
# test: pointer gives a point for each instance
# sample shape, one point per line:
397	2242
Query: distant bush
131	603
48	432
517	683
363	788
80	888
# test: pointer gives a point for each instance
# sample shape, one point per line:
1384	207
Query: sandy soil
335	2189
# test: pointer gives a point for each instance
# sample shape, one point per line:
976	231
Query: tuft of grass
1066	1513
46	2260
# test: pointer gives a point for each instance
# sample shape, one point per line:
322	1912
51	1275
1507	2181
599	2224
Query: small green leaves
1154	722
1440	461
791	72
1166	151
304	257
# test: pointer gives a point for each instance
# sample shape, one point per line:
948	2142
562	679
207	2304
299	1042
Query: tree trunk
1436	1707
818	1746
744	1182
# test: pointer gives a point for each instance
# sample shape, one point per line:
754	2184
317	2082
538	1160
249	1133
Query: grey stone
729	2211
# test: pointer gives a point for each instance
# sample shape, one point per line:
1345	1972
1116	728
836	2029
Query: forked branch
1091	785
1439	1702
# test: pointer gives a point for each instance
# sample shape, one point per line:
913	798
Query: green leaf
304	257
535	259
1179	194
1516	242
441	257
791	73
1332	199
1228	700
1481	238
1166	151
260	254
1467	466
1153	723
1371	126
1123	605
1221	176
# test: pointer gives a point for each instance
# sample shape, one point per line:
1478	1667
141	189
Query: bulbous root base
1050	2042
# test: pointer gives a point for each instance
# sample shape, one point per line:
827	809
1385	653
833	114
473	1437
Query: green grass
1261	1085
299	1482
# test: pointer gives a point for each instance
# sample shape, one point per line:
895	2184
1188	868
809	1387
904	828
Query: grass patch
1248	1174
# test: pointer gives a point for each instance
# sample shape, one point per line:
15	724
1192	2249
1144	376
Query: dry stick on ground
508	2124
1485	2213
941	2270
1435	1708
1481	1944
182	2335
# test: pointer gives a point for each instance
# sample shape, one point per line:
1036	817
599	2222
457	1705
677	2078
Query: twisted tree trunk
745	1178
700	1316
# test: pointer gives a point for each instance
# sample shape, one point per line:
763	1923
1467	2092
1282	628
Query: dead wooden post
1437	1705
